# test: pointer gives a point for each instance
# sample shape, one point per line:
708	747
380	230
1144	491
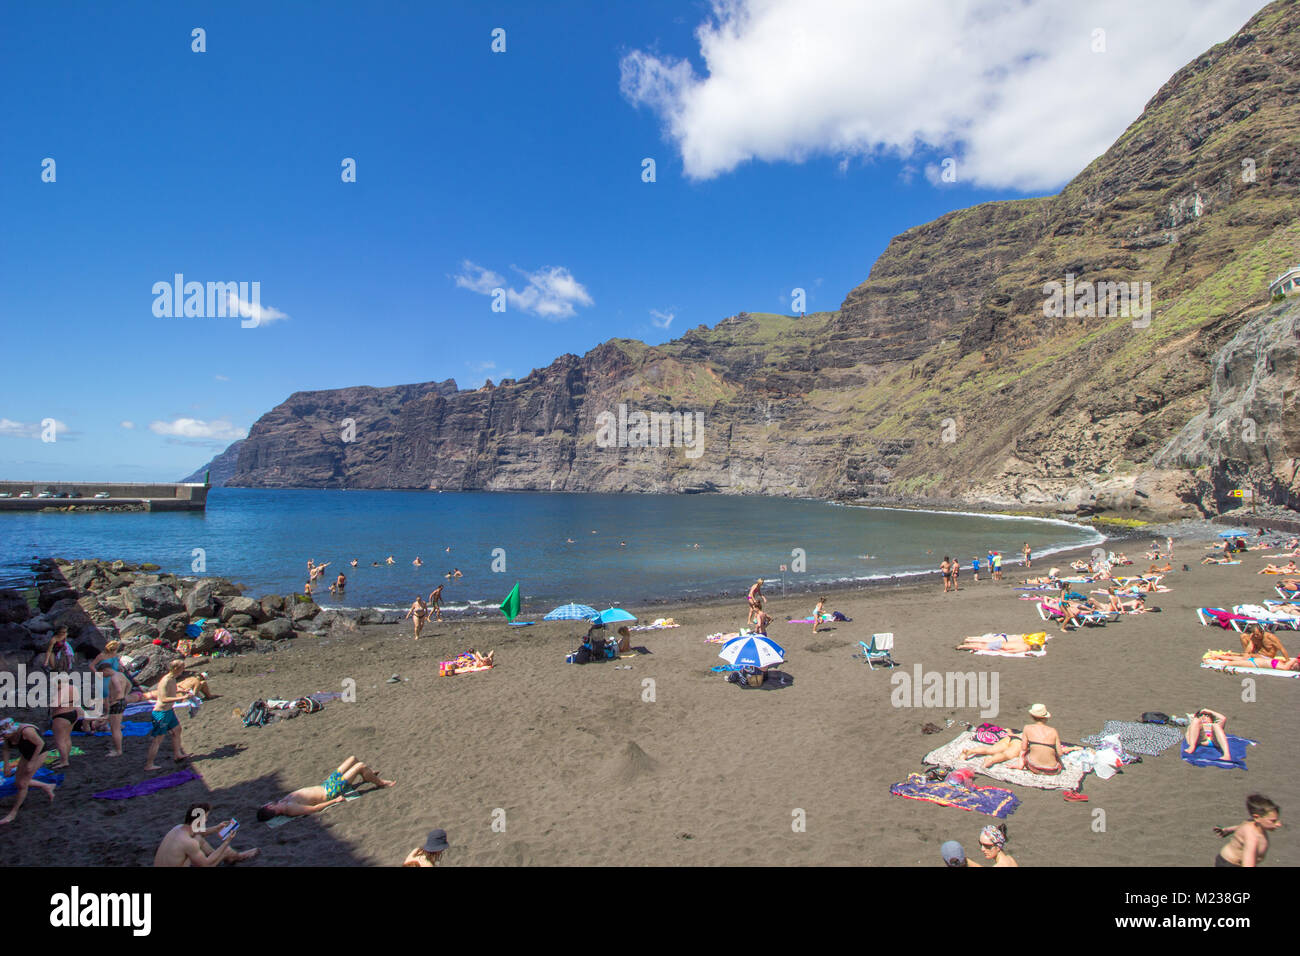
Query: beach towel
992	801
133	728
659	625
1135	737
949	756
721	638
521	623
146	706
1242	669
348	794
146	787
45	775
1208	755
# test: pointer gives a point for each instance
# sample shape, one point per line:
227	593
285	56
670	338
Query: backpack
257	715
1154	717
308	705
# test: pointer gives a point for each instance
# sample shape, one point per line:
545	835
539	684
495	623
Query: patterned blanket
949	756
993	801
1137	738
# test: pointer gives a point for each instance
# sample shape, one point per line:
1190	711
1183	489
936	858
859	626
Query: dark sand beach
539	762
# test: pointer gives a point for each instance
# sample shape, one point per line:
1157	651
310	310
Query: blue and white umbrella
571	612
752	649
612	615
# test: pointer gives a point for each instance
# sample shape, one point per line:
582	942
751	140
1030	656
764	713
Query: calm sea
595	549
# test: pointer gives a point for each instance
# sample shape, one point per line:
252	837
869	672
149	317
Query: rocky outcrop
219	470
945	375
1249	435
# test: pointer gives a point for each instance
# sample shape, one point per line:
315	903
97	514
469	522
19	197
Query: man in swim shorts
164	718
309	800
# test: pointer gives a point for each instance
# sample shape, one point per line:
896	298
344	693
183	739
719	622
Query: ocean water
626	549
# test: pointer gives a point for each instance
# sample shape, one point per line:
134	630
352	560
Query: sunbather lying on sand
1006	643
1233	659
315	799
1211	559
1274	569
1009	747
1154	569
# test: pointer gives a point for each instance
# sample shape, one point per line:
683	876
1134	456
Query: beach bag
1154	717
611	650
989	733
257	715
184	647
308	705
962	777
582	655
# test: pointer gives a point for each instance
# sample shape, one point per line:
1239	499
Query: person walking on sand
817	612
435	845
309	800
1249	843
755	600
1028	555
435	601
164	717
420	611
184	844
31	748
945	574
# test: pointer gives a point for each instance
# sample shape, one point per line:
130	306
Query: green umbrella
510	606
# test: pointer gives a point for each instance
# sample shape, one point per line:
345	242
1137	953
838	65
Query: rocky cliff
220	469
942	374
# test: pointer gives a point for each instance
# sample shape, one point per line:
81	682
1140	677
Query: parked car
102	494
46	494
25	494
62	494
5	494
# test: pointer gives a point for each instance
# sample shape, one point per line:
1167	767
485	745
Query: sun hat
436	841
953	854
1038	710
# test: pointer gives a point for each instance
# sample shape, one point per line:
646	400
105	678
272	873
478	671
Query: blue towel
130	728
44	775
1208	755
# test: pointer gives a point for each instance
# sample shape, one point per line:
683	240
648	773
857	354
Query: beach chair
879	650
1286	595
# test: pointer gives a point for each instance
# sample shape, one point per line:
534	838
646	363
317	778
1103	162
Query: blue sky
792	140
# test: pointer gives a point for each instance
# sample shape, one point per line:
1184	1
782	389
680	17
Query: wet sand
542	762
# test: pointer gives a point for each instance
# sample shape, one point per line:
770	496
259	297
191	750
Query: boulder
276	629
156	658
14	608
90	640
152	600
136	626
172	627
149	567
304	612
53	594
231	606
15	637
240	620
38	625
204	643
201	599
272	605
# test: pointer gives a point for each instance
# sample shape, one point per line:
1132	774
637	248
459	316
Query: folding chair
879	650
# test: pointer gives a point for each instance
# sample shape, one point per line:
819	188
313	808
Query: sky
790	140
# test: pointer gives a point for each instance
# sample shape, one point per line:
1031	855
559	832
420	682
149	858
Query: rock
54	594
153	600
240	620
276	629
304	612
149	567
156	658
201	599
204	643
272	605
90	640
172	627
231	606
38	625
14	637
137	625
14	608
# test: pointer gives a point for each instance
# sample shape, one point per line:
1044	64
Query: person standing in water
1028	555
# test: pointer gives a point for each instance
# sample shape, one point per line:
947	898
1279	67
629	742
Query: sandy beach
539	762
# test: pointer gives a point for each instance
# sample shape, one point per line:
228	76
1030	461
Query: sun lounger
1090	618
879	650
1286	595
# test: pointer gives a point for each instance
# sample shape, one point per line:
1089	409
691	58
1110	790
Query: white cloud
1013	90
551	291
662	319
252	310
194	428
221	378
128	425
13	429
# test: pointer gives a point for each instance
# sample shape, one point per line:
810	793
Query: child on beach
1249	843
975	567
817	613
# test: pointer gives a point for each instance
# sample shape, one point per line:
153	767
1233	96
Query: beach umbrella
572	612
613	615
510	606
752	649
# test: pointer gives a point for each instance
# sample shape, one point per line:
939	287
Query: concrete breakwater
101	495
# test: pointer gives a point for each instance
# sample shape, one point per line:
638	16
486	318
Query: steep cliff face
220	469
941	374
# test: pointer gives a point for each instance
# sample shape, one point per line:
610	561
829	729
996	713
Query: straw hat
1039	711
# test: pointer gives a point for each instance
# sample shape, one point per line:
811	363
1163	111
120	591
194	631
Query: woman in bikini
755	600
1253	660
420	611
1249	843
31	747
65	717
1205	728
1043	746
